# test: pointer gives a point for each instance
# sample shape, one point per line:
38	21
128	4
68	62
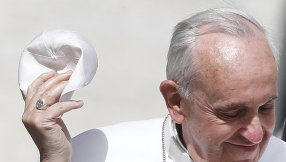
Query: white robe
141	141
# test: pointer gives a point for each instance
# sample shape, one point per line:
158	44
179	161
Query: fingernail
51	72
80	103
69	72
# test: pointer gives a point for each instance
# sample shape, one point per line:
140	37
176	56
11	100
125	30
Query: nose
253	131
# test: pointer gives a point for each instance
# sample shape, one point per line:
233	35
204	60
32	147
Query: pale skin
231	117
47	130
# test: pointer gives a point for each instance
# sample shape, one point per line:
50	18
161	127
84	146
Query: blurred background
131	38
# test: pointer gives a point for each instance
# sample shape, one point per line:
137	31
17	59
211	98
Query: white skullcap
60	50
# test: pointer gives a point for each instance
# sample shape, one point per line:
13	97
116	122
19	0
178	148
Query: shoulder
124	141
275	151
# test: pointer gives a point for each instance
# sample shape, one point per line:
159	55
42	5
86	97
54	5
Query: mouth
245	147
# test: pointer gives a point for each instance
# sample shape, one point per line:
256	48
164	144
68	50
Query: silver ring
40	103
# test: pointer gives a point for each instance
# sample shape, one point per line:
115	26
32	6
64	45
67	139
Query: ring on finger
41	103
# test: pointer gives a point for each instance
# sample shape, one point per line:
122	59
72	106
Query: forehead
234	63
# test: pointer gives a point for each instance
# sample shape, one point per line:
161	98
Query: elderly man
220	92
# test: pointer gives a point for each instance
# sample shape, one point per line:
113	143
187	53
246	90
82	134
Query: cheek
211	130
206	128
268	122
205	123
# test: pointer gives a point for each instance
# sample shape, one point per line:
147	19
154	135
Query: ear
173	100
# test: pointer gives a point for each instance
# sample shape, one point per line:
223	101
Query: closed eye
230	114
267	108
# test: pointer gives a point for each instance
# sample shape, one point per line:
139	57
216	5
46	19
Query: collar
171	141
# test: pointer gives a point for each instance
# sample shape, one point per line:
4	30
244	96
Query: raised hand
47	130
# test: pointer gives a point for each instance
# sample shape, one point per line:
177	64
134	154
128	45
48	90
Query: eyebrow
231	106
236	105
271	99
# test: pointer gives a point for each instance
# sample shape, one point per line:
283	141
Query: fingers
51	96
53	81
33	88
47	130
49	90
60	108
52	113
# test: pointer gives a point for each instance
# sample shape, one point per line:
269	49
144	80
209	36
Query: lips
246	147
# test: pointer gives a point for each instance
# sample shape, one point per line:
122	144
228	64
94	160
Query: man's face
231	117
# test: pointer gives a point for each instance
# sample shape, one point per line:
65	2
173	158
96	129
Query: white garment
174	149
141	141
60	50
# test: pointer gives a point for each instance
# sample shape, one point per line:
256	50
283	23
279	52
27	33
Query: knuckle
36	122
60	105
24	118
29	98
30	88
28	120
41	78
41	89
47	94
57	76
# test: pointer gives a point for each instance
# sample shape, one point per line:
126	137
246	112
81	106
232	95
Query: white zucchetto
60	50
